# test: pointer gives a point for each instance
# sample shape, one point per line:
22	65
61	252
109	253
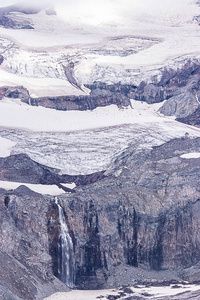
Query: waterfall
66	261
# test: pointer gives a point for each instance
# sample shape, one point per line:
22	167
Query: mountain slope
100	115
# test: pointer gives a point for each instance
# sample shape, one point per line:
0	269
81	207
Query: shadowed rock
21	168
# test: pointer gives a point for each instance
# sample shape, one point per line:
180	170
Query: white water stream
66	261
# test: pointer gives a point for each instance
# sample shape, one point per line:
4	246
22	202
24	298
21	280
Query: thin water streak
66	261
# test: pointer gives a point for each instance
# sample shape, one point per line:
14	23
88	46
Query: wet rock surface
146	221
25	262
138	224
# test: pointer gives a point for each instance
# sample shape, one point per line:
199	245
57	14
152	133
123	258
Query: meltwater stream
66	261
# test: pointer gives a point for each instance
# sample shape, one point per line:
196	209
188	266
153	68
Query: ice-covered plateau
99	135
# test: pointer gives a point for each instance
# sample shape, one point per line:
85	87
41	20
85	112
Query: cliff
140	222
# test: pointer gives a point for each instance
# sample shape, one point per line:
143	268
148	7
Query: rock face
94	100
142	217
14	92
145	217
1	59
23	240
8	19
20	168
14	23
179	87
193	119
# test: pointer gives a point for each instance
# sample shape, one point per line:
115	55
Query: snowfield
153	293
155	33
191	155
42	189
83	142
53	190
6	147
16	114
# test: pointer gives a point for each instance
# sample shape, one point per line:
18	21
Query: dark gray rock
5	294
50	12
179	87
197	19
25	263
14	92
139	223
191	274
21	168
181	106
8	21
80	102
141	218
1	59
193	119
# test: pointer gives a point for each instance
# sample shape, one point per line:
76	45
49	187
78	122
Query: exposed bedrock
192	119
26	266
142	218
21	168
146	217
14	92
94	100
9	19
1	59
179	87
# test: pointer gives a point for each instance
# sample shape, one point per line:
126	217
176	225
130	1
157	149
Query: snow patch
53	190
6	147
155	292
191	155
69	185
20	115
41	87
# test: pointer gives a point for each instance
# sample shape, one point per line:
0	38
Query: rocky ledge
21	168
180	88
140	223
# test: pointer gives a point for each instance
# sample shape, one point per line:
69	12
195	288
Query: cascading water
66	261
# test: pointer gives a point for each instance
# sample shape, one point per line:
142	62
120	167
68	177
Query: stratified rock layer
180	87
139	222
